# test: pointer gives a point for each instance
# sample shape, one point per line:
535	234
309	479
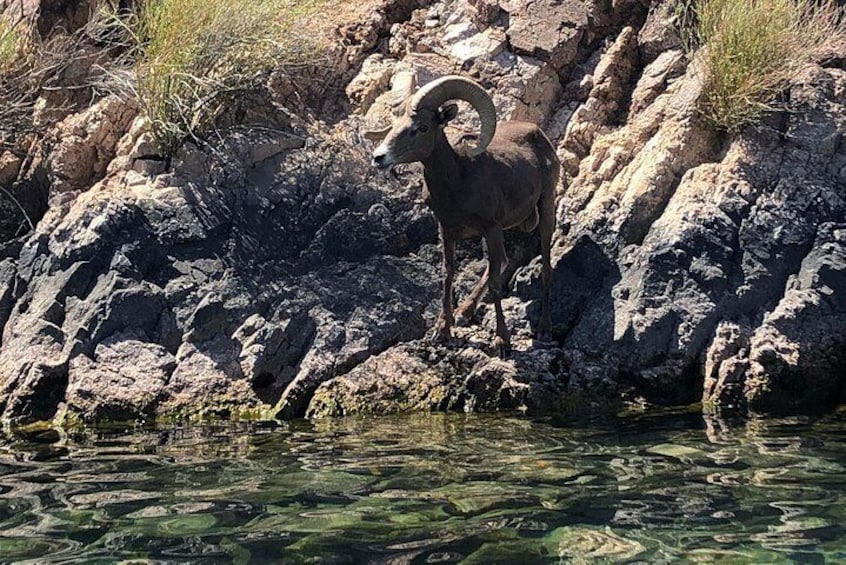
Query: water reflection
431	489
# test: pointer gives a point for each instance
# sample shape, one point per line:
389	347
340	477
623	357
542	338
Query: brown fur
511	184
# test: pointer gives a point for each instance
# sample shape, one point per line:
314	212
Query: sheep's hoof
502	347
544	332
463	318
544	335
464	314
440	334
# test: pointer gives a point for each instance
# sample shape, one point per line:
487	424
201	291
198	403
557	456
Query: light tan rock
84	144
610	79
655	79
487	44
10	167
372	80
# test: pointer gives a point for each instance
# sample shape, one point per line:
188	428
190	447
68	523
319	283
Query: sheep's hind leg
468	306
497	258
546	207
441	331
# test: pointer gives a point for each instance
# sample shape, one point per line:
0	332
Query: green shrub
752	48
26	64
194	57
11	44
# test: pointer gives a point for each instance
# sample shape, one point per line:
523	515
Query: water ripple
430	489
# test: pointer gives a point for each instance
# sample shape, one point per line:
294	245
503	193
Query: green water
432	489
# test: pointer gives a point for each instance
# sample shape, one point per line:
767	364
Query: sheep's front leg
497	258
446	320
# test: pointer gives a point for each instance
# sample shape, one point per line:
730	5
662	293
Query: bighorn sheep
508	180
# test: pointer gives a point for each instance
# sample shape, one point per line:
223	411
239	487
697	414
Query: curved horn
455	87
402	87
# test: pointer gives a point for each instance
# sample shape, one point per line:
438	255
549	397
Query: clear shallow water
432	489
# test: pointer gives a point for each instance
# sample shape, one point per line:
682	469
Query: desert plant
752	48
32	66
194	57
17	88
12	41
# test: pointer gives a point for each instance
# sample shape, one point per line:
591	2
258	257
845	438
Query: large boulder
464	375
719	252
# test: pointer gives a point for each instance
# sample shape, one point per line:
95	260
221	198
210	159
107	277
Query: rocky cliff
277	275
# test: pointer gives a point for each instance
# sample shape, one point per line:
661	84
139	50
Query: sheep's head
412	135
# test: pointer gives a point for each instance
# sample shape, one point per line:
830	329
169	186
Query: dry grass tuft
17	87
193	58
30	66
752	48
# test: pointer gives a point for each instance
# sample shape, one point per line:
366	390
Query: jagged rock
463	376
487	11
796	356
398	293
10	166
371	81
722	237
528	91
625	178
49	15
193	269
85	144
272	348
726	363
488	44
659	33
668	66
608	83
548	30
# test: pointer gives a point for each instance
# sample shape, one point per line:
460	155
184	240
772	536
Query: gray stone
122	381
549	30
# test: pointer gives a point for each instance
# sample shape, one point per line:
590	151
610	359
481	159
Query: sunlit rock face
276	274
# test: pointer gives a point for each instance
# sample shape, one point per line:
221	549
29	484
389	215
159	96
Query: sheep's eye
422	128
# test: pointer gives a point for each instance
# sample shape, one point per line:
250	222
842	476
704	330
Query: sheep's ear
376	134
447	113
